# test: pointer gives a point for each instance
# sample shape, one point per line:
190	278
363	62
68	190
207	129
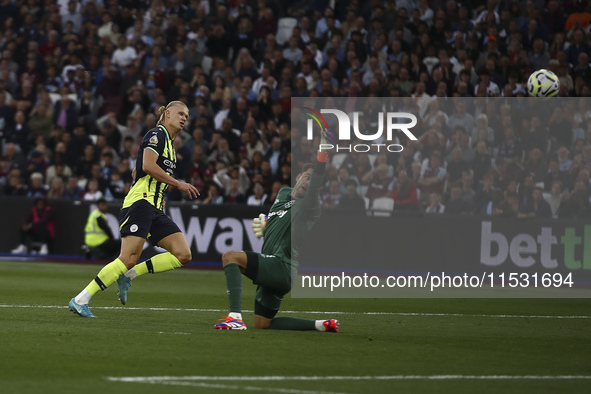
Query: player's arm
102	223
317	178
152	168
312	197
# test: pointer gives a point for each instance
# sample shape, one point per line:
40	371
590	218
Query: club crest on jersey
289	204
154	140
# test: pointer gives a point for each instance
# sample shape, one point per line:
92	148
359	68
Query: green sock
160	263
106	277
234	285
292	323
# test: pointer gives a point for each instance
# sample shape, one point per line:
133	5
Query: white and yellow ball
543	83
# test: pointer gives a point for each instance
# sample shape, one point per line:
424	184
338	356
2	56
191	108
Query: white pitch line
174	333
222	386
163	379
310	312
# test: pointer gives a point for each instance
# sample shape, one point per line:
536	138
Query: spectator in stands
19	132
233	194
65	114
485	194
93	193
560	129
432	178
352	201
221	152
123	55
379	182
434	205
72	190
292	52
41	120
404	193
538	207
333	196
536	165
578	46
213	195
456	166
457	205
37	189
273	154
509	208
555	197
539	57
56	188
15	185
564	161
258	197
576	204
38	228
526	189
343	177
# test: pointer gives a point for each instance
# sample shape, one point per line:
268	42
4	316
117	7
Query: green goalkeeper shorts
273	277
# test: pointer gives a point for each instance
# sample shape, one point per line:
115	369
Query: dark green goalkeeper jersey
289	220
145	187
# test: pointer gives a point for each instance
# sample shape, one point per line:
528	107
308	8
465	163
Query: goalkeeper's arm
326	144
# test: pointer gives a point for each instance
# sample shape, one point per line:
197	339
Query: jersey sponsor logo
133	228
154	139
280	213
169	163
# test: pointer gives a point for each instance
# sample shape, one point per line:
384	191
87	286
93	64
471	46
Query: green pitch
167	330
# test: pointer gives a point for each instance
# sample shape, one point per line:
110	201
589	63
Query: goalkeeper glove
259	225
327	140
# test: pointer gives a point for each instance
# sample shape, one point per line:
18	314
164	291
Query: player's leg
296	324
235	264
274	279
166	234
131	249
266	306
178	254
134	225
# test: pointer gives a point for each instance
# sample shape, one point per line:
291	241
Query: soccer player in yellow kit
141	215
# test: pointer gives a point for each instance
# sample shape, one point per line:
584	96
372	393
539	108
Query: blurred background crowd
80	82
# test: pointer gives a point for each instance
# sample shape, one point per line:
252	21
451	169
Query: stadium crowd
80	82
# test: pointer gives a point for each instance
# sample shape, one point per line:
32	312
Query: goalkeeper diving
295	209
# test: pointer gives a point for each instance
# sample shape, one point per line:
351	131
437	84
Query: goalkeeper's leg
265	318
234	264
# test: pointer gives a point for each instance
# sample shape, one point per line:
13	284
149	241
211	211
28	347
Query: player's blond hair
162	110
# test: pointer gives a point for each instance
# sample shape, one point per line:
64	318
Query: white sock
83	298
235	315
319	325
131	274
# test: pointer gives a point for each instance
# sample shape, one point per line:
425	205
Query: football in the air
543	83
